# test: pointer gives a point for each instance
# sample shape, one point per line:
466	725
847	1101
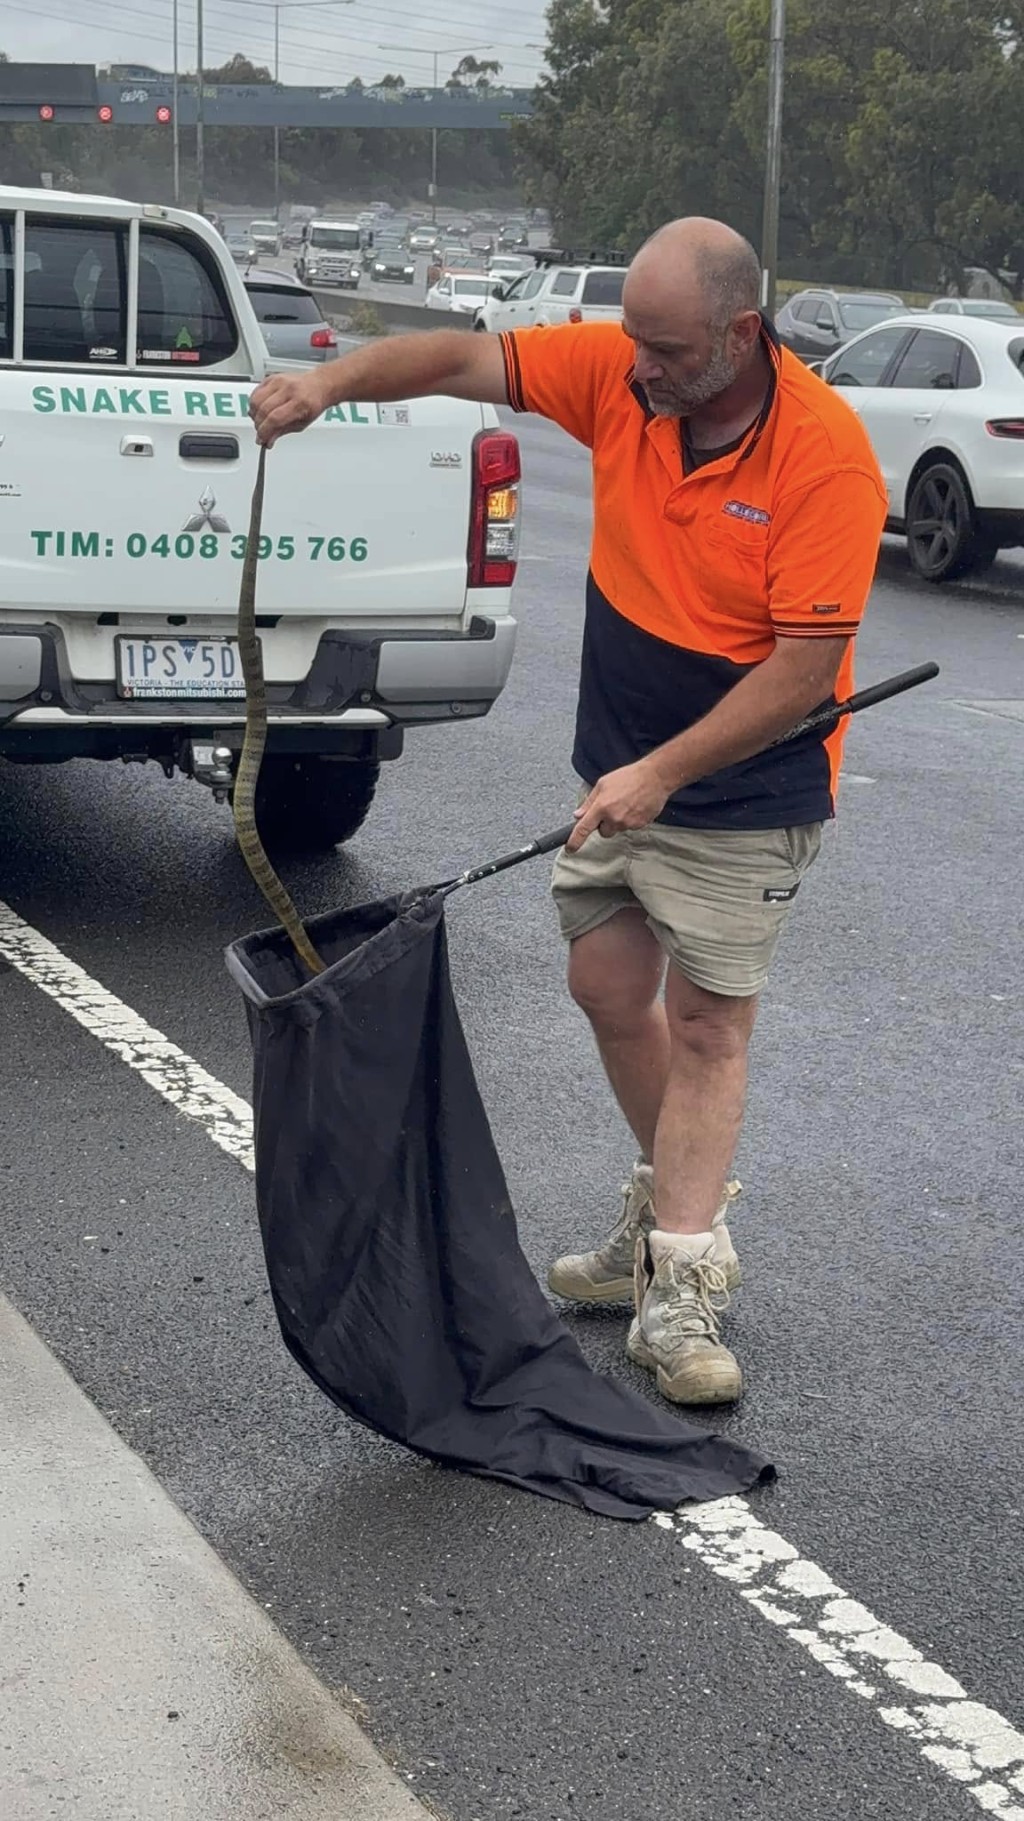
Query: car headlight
378	267
410	271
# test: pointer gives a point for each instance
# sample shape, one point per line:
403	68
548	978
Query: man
737	513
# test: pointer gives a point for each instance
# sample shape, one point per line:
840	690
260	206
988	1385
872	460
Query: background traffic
938	381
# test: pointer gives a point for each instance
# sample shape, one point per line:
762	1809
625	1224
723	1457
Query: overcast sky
320	42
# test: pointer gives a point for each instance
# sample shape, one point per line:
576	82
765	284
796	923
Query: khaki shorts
715	898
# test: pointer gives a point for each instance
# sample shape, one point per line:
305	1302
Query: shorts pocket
802	844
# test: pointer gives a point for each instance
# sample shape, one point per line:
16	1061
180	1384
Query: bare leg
702	1105
615	976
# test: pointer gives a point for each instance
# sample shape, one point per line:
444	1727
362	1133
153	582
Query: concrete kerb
338	307
138	1678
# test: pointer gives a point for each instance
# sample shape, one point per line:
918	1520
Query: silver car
289	316
239	245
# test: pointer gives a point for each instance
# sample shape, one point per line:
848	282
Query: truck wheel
943	537
309	804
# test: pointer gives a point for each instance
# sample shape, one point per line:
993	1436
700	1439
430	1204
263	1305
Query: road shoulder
139	1678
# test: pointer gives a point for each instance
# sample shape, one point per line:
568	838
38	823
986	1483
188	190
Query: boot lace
700	1298
630	1222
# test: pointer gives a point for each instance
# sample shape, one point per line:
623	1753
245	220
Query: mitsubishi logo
206	517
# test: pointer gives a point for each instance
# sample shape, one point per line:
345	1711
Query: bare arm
449	361
765	703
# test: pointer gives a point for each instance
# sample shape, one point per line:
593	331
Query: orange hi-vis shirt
695	576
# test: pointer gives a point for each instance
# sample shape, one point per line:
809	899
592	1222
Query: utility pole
433	154
200	84
175	130
277	130
773	158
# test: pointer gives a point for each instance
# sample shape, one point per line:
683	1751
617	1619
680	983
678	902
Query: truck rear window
603	289
284	305
184	314
75	291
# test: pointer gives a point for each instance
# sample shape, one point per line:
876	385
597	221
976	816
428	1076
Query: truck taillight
494	511
323	338
1006	426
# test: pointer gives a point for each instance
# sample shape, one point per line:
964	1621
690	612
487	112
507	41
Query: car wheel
308	804
943	538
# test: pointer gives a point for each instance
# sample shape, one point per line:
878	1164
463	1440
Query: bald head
690	308
697	261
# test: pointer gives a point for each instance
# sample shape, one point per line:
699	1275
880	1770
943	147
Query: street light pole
444	50
200	162
773	158
175	130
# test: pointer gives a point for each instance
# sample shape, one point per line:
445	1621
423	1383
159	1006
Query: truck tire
307	804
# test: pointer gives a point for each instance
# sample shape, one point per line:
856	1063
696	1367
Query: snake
243	801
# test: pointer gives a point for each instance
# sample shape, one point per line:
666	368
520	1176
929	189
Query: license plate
182	669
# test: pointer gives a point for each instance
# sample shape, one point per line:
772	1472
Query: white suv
553	294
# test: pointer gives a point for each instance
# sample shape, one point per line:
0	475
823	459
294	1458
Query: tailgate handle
194	447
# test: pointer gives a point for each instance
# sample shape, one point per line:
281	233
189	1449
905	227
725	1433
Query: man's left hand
629	798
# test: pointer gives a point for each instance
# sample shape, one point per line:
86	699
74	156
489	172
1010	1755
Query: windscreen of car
285	305
473	287
266	229
390	249
986	306
345	239
863	312
603	289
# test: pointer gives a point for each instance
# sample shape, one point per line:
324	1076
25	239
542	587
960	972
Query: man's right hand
286	402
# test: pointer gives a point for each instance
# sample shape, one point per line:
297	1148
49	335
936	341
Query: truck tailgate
133	495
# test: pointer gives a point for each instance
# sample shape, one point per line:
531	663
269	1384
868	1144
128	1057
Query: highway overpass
75	94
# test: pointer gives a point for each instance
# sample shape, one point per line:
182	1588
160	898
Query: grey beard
688	396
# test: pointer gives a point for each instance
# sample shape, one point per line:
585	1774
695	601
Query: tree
903	129
471	73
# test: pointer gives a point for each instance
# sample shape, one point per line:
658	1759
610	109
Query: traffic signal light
46	111
163	115
105	114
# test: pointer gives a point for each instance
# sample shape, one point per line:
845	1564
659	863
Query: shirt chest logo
751	515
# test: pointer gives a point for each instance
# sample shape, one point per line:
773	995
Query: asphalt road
370	292
516	1658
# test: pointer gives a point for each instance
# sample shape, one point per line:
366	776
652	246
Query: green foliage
903	130
365	319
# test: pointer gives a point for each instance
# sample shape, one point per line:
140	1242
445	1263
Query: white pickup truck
128	349
555	292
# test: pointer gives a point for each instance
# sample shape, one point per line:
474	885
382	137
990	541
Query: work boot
680	1291
606	1274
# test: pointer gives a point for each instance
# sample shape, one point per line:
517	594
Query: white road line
972	1743
224	1117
